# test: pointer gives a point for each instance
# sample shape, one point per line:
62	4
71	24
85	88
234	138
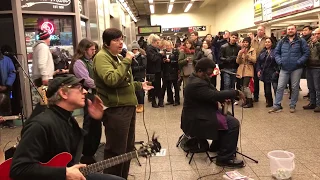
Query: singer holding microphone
116	88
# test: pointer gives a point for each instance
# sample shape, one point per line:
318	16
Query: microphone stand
31	82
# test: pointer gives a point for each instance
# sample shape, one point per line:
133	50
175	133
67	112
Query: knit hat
43	35
56	83
135	45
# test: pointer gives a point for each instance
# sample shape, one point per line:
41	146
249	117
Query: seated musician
201	117
55	131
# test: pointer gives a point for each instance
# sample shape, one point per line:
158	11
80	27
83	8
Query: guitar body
60	160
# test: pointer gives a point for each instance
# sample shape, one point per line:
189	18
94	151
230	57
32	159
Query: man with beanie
138	67
258	43
42	66
56	131
202	118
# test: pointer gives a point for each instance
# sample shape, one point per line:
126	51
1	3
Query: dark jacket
314	59
138	66
43	137
292	55
267	66
198	118
7	71
217	44
228	55
154	60
170	69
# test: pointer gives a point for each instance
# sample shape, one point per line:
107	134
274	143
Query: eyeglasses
118	40
76	86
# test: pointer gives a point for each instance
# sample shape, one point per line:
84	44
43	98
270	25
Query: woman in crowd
81	67
170	74
186	63
267	70
138	66
154	60
246	59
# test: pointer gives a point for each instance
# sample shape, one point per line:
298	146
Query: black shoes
230	163
160	104
154	104
309	106
176	103
169	103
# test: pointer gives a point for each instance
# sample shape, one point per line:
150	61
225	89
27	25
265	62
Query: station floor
261	132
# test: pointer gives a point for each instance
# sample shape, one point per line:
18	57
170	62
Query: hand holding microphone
129	55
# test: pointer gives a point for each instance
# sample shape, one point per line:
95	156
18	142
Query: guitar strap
79	149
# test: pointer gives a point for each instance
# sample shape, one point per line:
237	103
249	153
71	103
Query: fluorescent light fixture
152	9
150	1
171	1
188	7
170	8
122	1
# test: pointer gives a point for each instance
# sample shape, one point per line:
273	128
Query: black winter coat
228	55
267	66
154	60
170	69
198	118
138	66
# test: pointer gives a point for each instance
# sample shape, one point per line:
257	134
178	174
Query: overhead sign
265	10
197	28
47	5
149	29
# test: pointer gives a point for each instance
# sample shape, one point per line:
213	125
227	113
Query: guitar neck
99	166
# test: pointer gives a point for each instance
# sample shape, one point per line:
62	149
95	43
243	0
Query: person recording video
201	117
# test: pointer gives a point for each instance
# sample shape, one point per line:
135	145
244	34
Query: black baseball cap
64	80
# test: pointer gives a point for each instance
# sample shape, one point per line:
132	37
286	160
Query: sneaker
275	110
292	109
317	109
309	106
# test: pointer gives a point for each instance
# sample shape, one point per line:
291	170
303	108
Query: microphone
124	50
228	72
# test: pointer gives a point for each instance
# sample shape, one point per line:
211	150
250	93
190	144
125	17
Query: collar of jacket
256	38
64	114
296	37
111	55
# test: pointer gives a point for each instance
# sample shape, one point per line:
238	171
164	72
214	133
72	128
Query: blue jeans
229	80
282	84
313	81
103	177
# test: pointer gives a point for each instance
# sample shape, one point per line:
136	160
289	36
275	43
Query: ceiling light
188	7
122	1
150	1
172	1
170	8
152	9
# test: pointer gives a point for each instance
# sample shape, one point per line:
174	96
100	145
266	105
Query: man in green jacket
116	88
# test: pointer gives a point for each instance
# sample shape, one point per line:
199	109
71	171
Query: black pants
102	177
156	83
228	139
268	89
256	85
119	125
166	85
140	94
221	81
37	110
93	128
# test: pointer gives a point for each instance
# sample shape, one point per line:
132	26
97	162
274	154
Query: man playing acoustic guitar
55	131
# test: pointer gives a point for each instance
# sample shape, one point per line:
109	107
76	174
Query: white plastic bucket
281	164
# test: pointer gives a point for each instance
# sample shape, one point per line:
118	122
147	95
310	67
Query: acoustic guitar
62	159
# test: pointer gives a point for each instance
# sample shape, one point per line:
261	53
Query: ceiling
142	8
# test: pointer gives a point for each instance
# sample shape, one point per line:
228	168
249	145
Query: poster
66	38
30	38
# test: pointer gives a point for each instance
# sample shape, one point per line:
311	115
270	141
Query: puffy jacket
267	65
314	59
7	71
292	55
228	56
138	66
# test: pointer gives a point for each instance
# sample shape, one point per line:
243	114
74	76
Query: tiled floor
260	133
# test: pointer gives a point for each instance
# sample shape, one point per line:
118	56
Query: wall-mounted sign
48	27
184	29
47	5
149	29
197	28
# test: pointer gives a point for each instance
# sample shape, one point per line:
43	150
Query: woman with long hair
81	67
268	70
186	60
246	59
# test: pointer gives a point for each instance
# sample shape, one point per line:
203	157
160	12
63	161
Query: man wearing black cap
201	117
56	131
42	65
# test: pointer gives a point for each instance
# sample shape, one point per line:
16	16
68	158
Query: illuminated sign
47	5
48	27
149	29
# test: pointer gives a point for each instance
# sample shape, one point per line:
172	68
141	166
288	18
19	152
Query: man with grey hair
258	43
55	131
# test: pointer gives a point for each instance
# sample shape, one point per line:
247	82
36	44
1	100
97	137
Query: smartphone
168	54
